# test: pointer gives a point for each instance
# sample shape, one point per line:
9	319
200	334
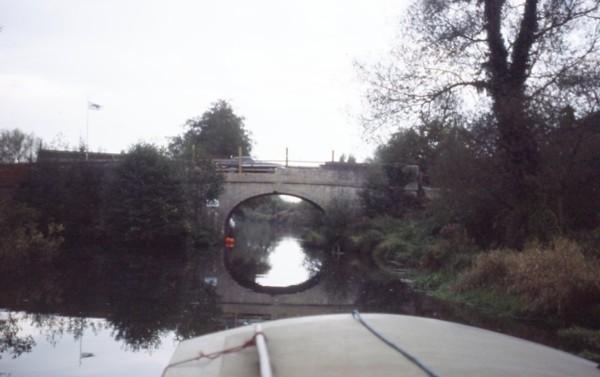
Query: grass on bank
557	279
558	283
442	285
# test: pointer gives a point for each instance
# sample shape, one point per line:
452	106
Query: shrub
490	270
396	251
336	226
557	279
554	279
368	240
145	200
23	242
392	242
453	251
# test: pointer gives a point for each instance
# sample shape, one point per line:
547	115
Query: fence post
286	157
240	159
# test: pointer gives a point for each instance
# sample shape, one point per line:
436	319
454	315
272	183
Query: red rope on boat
213	355
249	343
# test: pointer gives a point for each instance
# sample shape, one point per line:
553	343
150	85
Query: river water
122	313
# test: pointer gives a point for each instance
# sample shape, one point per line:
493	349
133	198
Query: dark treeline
463	164
148	200
141	200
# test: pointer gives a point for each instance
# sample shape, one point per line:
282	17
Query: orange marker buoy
229	242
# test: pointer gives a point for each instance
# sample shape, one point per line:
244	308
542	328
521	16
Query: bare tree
478	55
518	60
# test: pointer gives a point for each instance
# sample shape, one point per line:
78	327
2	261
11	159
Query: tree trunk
519	153
516	143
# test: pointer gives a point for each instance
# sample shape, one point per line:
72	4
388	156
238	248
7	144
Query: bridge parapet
317	185
302	175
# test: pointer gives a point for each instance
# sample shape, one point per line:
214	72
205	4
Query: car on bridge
248	164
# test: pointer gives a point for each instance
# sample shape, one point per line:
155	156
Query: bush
554	279
453	251
392	242
490	270
367	240
396	251
385	192
23	242
336	225
145	200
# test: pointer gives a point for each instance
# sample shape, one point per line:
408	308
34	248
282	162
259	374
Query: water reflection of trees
140	299
253	243
11	341
54	327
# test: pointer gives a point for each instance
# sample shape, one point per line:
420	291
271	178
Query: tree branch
498	53
524	41
554	77
478	84
571	17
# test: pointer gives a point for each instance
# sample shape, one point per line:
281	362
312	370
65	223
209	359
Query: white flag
93	106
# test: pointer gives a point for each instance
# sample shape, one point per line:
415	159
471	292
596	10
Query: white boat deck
338	345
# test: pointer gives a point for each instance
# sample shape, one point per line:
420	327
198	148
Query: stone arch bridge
319	185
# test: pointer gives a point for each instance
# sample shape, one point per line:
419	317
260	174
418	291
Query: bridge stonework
317	185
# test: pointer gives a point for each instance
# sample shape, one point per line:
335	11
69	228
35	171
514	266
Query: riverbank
580	336
554	283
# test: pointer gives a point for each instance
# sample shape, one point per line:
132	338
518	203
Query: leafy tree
519	62
335	227
145	201
414	146
16	146
217	133
385	190
201	183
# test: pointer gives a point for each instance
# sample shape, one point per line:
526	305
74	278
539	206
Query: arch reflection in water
271	253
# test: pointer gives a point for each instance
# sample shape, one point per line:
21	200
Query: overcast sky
286	66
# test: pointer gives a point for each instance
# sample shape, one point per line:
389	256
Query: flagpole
87	129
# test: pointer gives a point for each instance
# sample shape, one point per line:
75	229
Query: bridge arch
227	216
299	196
229	259
316	185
